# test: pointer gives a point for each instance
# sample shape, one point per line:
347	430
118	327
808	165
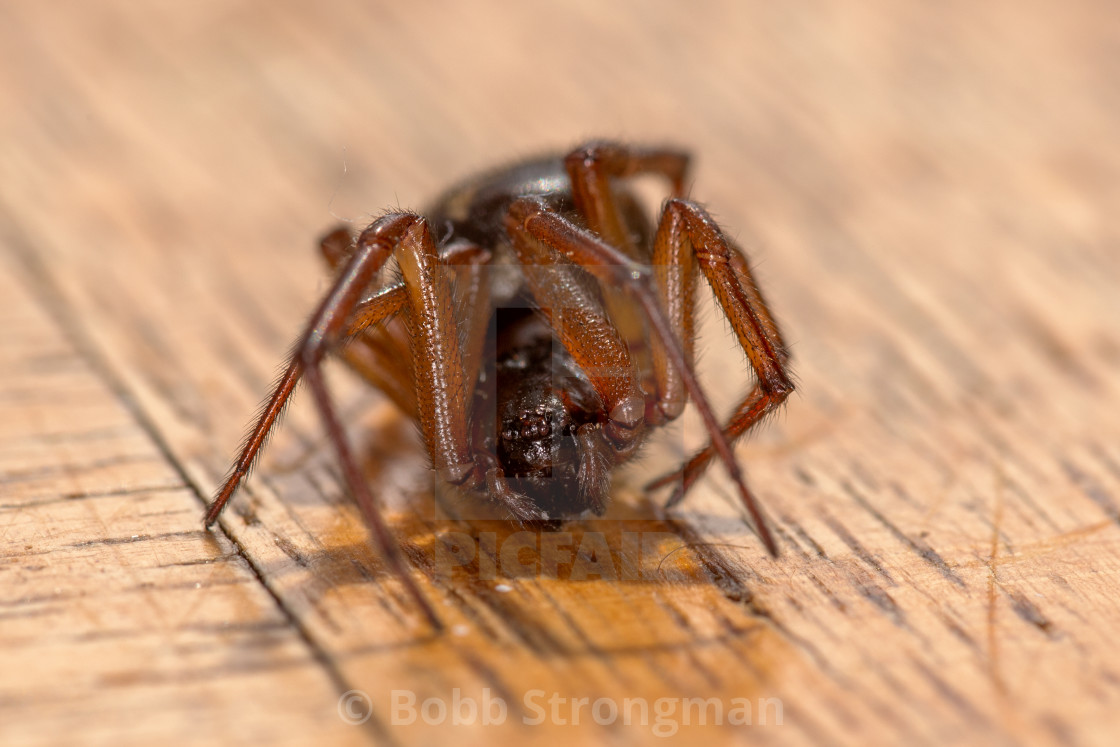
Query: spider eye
531	427
517	361
535	427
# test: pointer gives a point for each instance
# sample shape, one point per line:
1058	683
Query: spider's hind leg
593	166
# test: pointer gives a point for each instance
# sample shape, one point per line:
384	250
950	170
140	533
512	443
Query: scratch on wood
139	538
993	581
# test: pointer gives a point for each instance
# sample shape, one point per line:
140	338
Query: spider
537	328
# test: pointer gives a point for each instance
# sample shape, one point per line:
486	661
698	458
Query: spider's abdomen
475	209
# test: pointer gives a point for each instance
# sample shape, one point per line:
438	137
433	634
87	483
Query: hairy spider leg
532	217
591	169
382	358
379	353
686	232
426	295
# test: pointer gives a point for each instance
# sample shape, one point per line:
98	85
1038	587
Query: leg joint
594	154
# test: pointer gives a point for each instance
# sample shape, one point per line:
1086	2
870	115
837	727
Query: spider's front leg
531	222
445	370
570	302
686	233
425	297
377	345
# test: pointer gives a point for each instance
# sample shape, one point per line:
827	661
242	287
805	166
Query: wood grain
929	194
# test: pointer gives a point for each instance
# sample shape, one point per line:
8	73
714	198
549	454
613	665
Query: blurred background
929	193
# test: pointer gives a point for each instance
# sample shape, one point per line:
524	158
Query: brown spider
461	336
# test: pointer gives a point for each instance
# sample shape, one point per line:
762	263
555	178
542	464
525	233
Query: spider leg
591	168
362	265
570	302
341	314
379	353
532	219
571	305
471	293
686	232
366	316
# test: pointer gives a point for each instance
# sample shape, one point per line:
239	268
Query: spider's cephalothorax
536	328
537	448
546	420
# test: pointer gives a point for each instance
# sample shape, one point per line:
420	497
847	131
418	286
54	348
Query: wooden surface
930	192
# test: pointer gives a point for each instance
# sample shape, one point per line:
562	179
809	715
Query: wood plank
119	614
928	194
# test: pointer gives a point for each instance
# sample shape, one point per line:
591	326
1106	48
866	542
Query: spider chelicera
537	329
